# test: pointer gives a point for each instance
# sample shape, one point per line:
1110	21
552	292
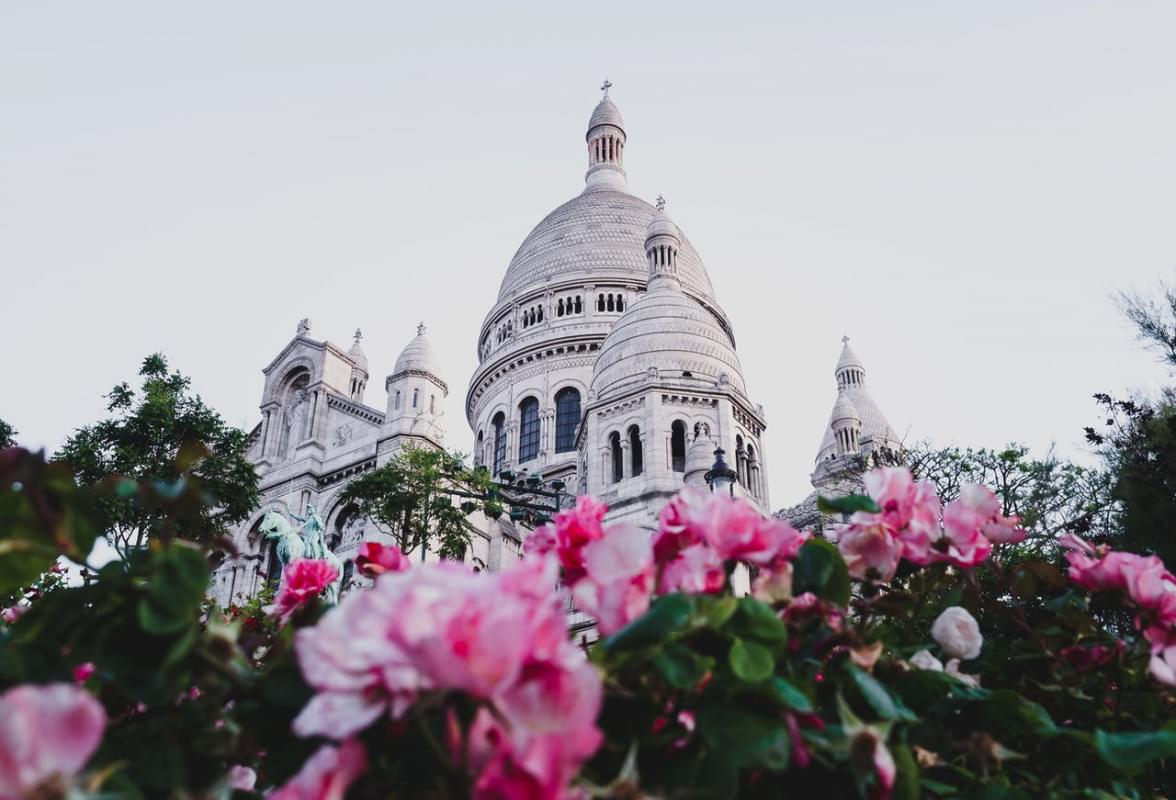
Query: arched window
618	458
620	303
600	302
678	446
579	307
416	393
636	457
559	308
740	461
528	429
480	450
567	418
610	304
397	399
432	404
273	567
348	572
752	471
499	441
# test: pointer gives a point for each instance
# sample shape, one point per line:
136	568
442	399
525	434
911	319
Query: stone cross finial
660	203
304	326
604	87
421	329
358	335
845	340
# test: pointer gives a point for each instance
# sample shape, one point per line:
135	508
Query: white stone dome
671	332
595	236
605	113
848	357
845	409
417	356
662	225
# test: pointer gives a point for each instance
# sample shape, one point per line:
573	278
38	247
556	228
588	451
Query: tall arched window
636	456
678	446
432	404
618	458
416	393
499	441
480	450
567	417
752	472
528	429
740	461
397	399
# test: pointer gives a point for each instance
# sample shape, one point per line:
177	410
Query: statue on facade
293	423
312	532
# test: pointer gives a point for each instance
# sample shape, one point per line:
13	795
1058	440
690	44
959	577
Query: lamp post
720	477
529	498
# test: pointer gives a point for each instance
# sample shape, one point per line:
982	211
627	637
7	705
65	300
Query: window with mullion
567	418
528	429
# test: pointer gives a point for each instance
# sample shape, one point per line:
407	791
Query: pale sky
959	187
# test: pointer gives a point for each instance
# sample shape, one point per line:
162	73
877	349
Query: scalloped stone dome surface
595	236
668	330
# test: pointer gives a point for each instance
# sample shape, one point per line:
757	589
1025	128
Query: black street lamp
720	477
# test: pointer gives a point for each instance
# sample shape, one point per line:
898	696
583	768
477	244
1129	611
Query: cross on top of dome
420	329
660	203
604	87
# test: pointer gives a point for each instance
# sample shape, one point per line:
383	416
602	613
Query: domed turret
359	369
847	425
665	329
855	425
416	393
606	145
699	458
849	370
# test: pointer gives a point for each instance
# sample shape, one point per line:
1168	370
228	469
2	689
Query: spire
606	144
849	370
359	368
662	243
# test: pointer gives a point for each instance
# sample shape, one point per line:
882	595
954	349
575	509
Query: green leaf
791	695
751	738
754	620
847	505
820	569
1132	751
751	662
906	784
885	704
716	610
667	615
680	666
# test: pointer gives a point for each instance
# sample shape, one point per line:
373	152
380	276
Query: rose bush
925	649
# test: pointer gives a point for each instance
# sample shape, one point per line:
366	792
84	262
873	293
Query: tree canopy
424	497
163	434
7	435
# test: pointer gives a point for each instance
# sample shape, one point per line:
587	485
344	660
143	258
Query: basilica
606	363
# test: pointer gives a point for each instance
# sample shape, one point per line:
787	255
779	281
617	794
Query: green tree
166	435
1049	494
7	435
424	497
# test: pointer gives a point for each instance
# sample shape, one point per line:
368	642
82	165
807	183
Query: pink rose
12	613
728	524
1163	665
998	528
619	578
303	580
47	733
568	534
82	672
327	774
242	778
871	551
376	559
507	767
870	756
962	544
695	570
773	585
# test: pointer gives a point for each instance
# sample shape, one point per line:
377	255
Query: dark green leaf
885	704
847	505
906	783
751	662
680	666
791	696
820	569
667	615
1134	750
754	620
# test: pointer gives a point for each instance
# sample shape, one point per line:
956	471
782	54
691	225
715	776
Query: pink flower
12	613
998	528
694	570
1163	665
568	534
376	559
619	578
1084	659
327	774
963	543
871	550
773	586
728	524
83	671
500	637
303	580
869	754
47	733
242	778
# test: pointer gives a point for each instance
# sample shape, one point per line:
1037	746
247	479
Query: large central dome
599	233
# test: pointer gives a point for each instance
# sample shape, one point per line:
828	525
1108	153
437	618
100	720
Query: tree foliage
7	435
164	434
424	497
1049	494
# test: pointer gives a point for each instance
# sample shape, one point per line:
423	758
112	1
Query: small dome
417	356
605	113
848	357
701	455
662	225
844	409
357	354
669	330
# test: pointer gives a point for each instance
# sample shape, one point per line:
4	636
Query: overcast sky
957	186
